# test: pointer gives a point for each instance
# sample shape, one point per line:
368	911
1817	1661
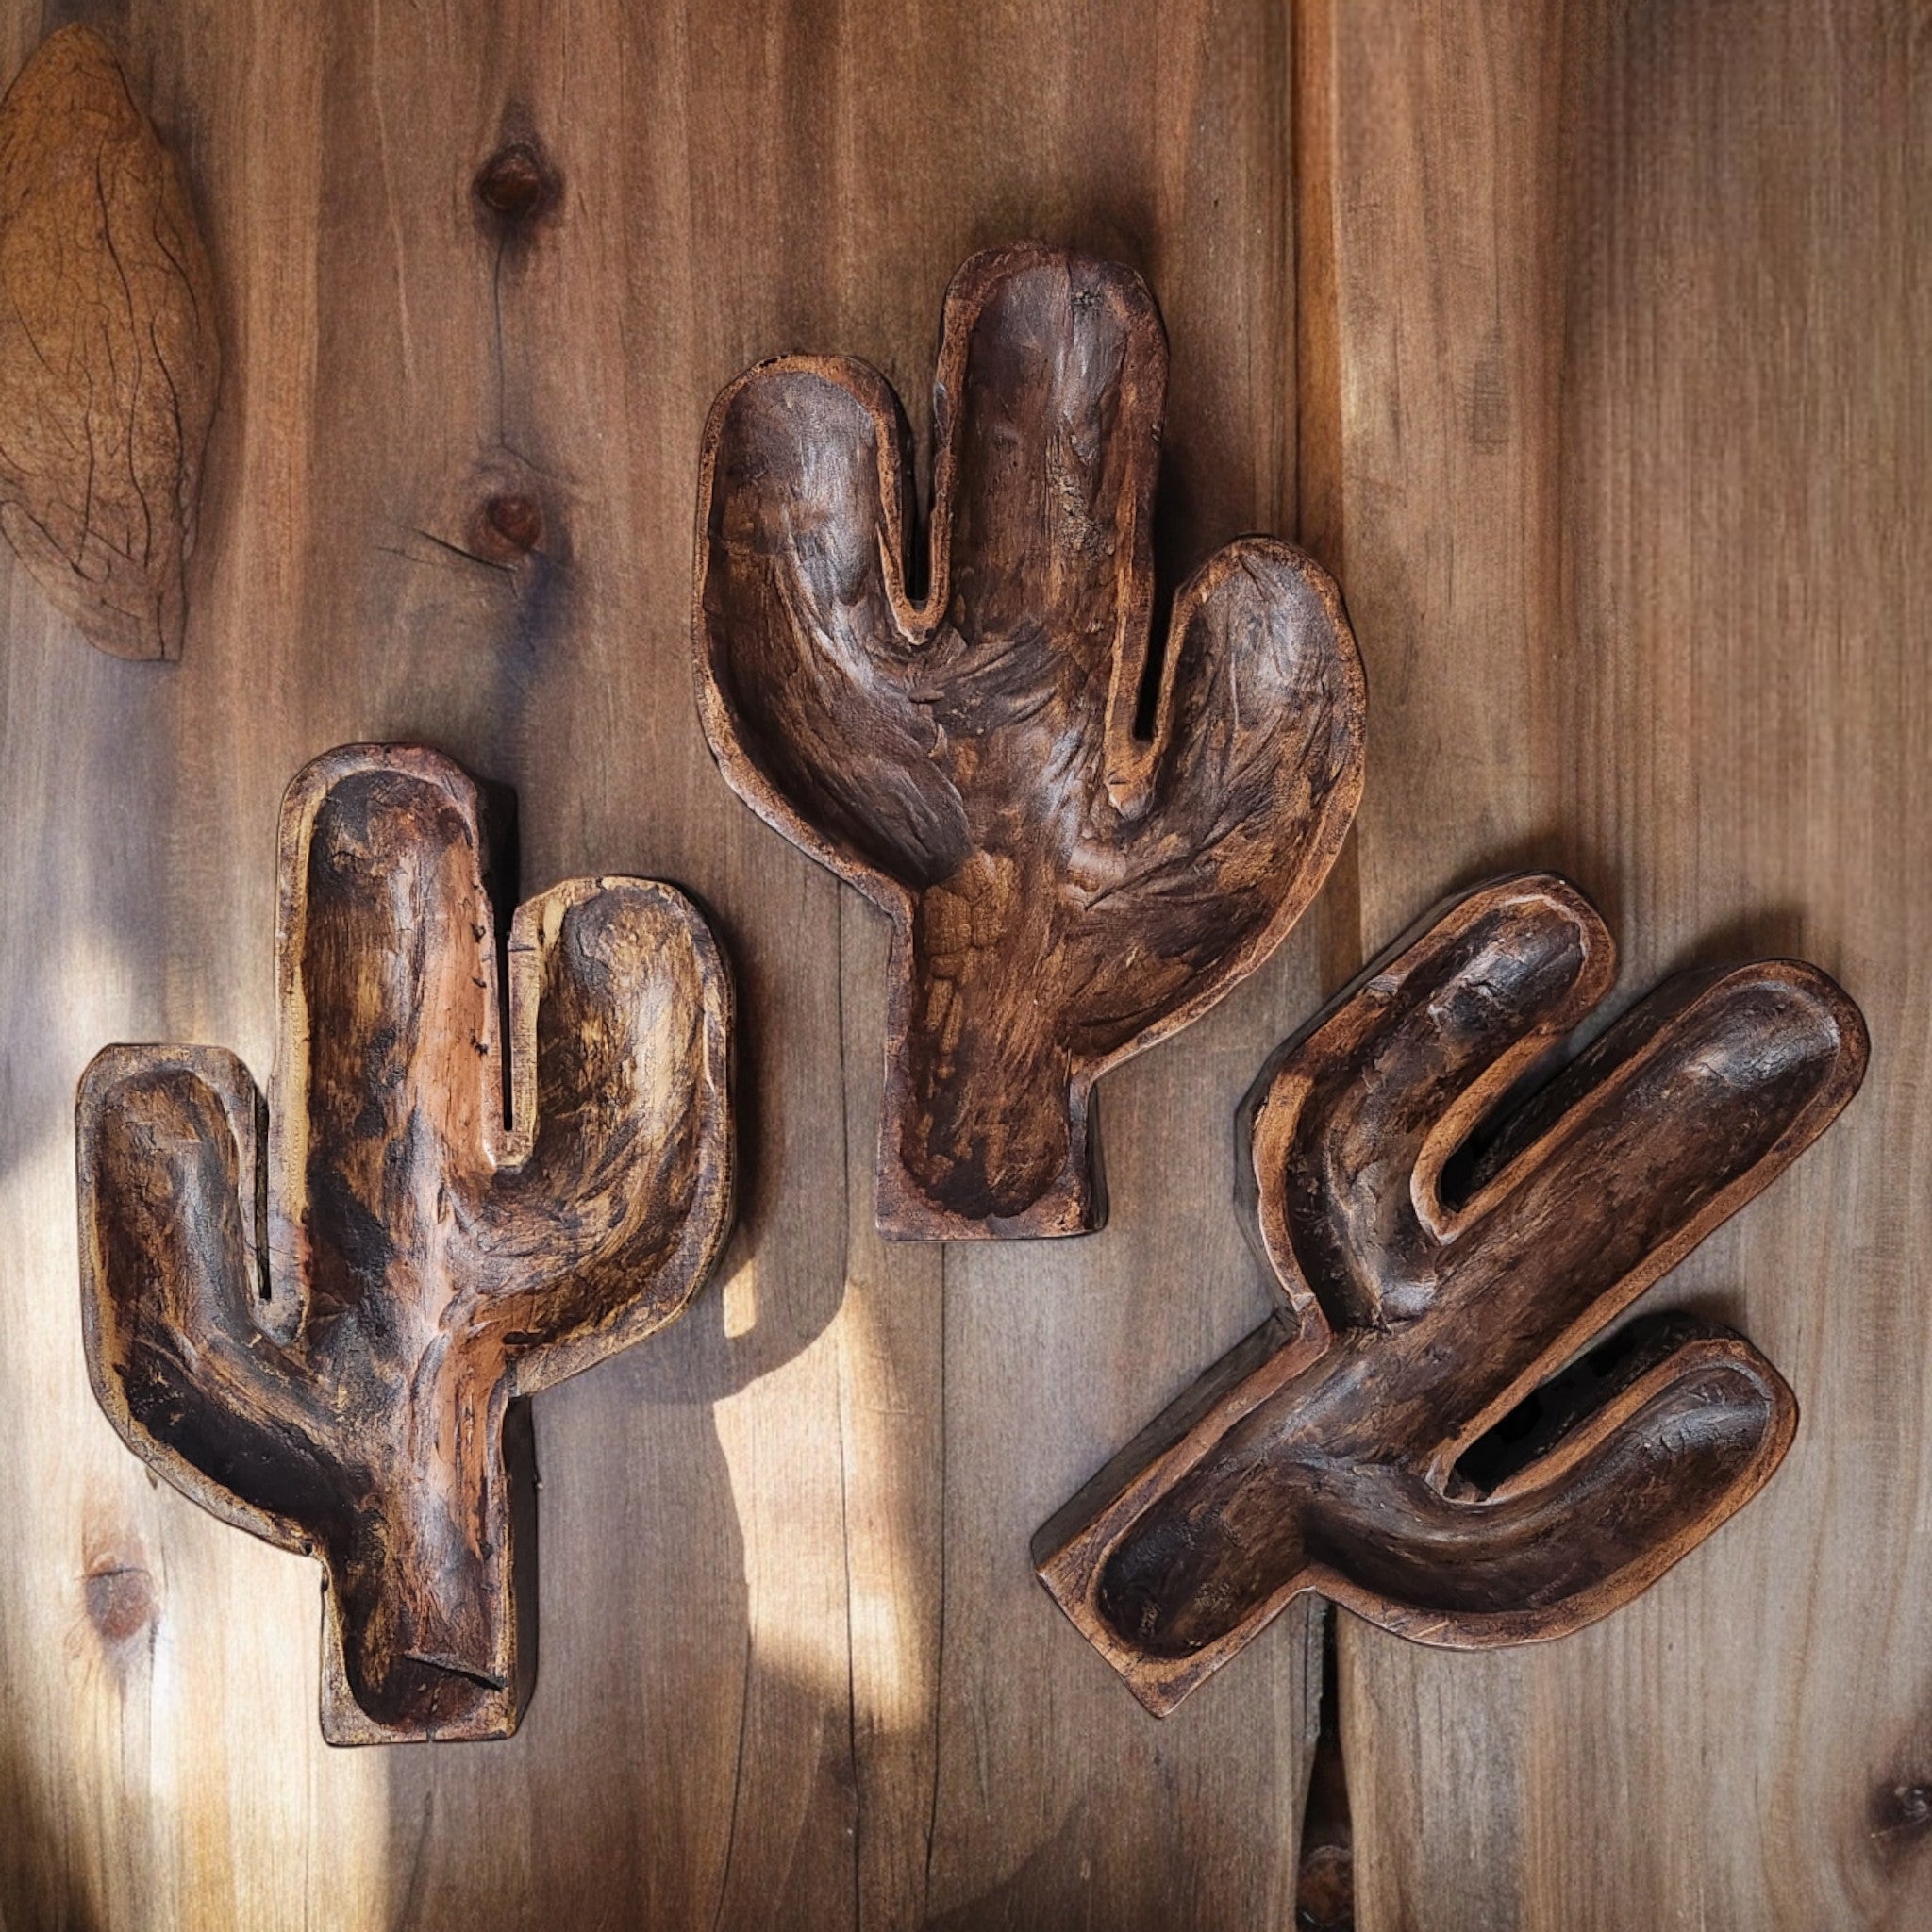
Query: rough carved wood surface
1426	1434
325	1339
108	352
1082	835
1603	324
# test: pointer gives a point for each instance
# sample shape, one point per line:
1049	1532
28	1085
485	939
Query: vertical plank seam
938	1669
737	1783
1321	524
852	1751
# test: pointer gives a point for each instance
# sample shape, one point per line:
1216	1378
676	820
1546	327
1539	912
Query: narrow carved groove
343	1372
1081	849
1406	1438
109	360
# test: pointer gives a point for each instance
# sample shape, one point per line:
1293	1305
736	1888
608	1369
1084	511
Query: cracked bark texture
109	356
343	1373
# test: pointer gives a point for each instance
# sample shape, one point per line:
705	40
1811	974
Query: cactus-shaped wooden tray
331	1351
1447	1258
1081	839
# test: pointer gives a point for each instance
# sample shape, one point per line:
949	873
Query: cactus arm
616	1197
1254	771
174	1313
805	636
1047	408
1646	1475
1685	1109
388	1097
1360	1112
1674	1118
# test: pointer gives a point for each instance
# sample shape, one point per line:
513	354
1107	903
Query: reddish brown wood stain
1081	842
120	1600
511	525
1330	1452
345	1376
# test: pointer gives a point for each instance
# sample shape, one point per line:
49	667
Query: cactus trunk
984	1128
422	1588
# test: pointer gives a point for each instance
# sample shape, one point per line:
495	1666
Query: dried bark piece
108	358
1079	851
1441	1267
340	1370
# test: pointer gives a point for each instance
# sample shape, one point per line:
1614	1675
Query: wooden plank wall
1624	448
1588	339
795	1669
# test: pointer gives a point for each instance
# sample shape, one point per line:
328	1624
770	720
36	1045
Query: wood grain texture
1082	839
837	1694
343	1369
1615	454
1426	1434
1620	341
108	356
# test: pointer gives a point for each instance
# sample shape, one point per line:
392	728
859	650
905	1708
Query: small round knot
1911	1805
516	183
510	526
1901	1816
121	1600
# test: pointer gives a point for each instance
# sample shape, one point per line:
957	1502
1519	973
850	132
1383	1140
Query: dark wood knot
1902	1813
1324	1893
517	183
509	526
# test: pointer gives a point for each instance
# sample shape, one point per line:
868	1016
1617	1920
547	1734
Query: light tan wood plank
794	1665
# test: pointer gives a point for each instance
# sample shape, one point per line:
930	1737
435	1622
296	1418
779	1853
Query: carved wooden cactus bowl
1081	839
1447	1257
332	1349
